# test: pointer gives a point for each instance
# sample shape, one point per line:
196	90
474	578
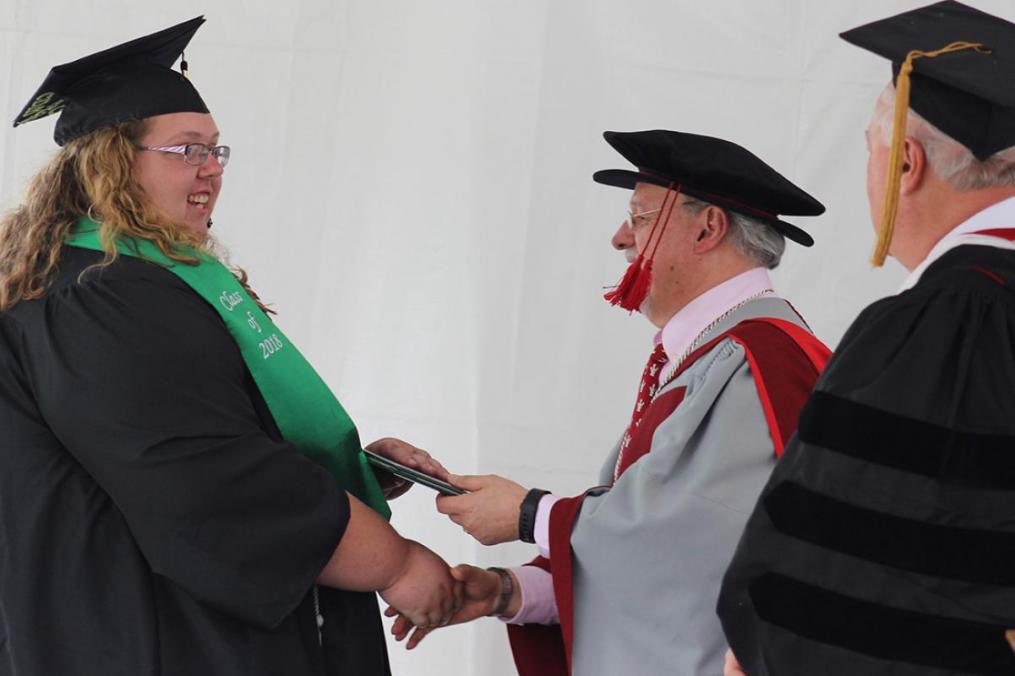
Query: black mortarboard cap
967	94
713	170
130	81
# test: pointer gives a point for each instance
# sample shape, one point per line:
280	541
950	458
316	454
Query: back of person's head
951	161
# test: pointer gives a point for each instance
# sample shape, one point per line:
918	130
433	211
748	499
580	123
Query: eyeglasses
633	219
195	154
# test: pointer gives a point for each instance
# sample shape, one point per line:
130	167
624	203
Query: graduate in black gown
884	542
180	493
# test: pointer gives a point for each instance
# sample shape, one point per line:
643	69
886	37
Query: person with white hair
884	540
630	569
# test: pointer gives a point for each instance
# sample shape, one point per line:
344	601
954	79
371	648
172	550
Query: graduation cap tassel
632	290
637	292
893	178
183	65
621	294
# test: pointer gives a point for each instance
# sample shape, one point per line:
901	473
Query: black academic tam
714	170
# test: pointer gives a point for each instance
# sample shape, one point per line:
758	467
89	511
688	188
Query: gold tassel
893	178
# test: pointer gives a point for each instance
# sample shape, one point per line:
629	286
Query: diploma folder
410	474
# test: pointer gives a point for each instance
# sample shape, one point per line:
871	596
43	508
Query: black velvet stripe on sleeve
973	555
860	626
883	438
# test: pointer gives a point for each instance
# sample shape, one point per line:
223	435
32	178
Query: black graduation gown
884	542
152	519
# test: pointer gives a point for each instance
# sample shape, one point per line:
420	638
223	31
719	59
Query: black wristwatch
527	515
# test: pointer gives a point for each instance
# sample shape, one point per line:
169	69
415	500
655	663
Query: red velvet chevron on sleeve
786	361
541	650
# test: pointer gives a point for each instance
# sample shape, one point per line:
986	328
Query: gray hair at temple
756	240
950	160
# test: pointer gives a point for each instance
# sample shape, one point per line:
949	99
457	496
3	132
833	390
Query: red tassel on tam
632	290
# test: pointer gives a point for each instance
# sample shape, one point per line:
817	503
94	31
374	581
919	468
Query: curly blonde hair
92	175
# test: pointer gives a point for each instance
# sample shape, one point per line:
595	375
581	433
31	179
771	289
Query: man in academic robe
632	567
883	542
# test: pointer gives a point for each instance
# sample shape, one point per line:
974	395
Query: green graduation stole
305	410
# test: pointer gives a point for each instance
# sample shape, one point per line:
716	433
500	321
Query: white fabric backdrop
411	189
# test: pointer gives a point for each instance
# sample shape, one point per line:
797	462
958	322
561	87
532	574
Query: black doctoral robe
152	519
884	542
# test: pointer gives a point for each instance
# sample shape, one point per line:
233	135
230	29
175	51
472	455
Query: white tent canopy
411	189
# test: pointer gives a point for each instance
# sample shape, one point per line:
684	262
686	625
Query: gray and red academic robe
784	360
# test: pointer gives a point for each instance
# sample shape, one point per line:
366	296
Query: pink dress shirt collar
685	326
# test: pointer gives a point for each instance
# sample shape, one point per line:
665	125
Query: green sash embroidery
305	410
